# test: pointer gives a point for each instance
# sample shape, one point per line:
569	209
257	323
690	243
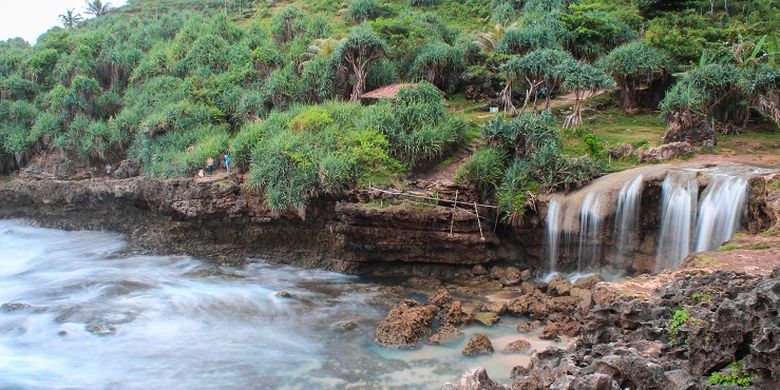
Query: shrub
483	170
679	318
733	375
362	10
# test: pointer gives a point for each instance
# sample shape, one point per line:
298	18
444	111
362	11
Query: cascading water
553	232
720	212
680	193
575	225
589	249
627	218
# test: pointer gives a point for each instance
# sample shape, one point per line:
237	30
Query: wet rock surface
406	325
476	379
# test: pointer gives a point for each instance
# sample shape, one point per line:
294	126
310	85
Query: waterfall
553	232
627	218
590	232
720	212
680	193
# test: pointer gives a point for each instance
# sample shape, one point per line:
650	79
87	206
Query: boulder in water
405	325
345	326
487	318
101	329
478	345
508	276
525	327
518	346
284	294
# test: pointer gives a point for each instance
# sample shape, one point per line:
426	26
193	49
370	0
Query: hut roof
387	92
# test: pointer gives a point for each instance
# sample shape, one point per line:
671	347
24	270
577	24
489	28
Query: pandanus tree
356	54
537	70
581	79
70	18
97	8
633	65
440	64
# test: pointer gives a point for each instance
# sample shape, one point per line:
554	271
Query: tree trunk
628	95
575	118
506	99
360	84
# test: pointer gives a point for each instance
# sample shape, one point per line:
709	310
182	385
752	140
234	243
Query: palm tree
97	8
70	19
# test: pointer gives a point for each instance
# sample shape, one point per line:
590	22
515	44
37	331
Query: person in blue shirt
227	161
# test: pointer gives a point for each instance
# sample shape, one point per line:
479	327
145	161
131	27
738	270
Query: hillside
164	85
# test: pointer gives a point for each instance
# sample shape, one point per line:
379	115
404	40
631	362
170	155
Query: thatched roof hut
385	92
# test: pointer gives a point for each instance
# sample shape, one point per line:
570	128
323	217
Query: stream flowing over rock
647	219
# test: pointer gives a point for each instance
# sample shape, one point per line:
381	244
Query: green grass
473	111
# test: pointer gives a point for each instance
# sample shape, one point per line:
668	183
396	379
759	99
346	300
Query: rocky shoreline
218	218
695	328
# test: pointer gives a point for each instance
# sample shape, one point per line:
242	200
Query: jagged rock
517	346
478	345
687	126
549	369
665	152
405	325
584	298
446	334
633	371
127	168
525	327
681	380
526	275
621	151
495	307
479	269
587	282
508	276
476	379
487	318
527	287
455	315
441	299
560	326
284	294
559	285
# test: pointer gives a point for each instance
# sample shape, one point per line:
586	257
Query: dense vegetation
171	83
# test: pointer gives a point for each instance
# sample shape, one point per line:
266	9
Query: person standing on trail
227	161
210	164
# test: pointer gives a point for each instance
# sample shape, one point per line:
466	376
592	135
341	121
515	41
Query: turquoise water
78	314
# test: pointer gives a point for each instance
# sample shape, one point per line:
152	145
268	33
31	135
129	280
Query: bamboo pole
454	205
481	236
